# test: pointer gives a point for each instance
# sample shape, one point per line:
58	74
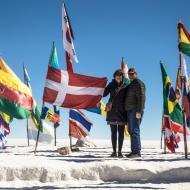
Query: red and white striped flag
67	35
71	90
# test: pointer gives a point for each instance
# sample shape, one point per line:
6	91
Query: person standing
116	114
134	105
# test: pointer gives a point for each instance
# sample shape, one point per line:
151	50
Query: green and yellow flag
171	107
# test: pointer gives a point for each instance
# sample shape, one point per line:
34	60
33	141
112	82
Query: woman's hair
118	72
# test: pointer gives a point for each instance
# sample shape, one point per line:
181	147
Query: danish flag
71	90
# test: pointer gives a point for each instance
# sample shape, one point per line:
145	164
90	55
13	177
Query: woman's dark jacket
117	113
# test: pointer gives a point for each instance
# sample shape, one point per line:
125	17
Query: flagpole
37	139
161	133
183	111
70	142
70	137
54	135
27	131
184	135
55	127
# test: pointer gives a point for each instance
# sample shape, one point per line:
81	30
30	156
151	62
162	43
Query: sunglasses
131	73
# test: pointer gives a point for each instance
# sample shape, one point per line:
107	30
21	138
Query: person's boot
120	155
114	154
128	155
134	155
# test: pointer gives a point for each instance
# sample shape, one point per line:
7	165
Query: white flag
184	72
45	137
67	38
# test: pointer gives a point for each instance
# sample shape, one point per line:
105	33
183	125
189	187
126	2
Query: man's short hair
132	70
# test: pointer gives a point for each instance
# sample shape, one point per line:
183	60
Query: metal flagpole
26	82
55	127
37	139
183	111
27	132
161	133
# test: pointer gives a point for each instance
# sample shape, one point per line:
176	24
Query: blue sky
144	32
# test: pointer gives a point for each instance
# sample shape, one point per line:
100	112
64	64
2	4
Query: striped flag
71	90
67	35
15	97
35	114
50	115
79	124
5	121
184	39
3	138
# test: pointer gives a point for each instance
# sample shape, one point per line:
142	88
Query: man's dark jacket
135	96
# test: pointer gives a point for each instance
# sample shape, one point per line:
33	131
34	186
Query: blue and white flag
3	139
79	124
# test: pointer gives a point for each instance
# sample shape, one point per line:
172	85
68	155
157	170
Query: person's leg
114	137
130	118
136	137
121	129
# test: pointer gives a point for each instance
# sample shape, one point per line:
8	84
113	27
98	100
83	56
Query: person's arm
106	90
140	96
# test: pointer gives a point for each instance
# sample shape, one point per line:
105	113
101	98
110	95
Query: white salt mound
92	167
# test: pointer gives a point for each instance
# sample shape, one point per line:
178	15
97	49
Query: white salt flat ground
91	168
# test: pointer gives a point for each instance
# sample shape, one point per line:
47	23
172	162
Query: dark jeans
134	131
120	129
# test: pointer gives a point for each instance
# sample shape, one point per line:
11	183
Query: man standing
134	105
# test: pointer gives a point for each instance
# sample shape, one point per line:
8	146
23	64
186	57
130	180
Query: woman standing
116	114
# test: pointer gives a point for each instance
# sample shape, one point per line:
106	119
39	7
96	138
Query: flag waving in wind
184	39
15	97
67	35
79	124
71	90
185	90
172	112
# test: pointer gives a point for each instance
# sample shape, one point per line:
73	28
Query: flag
3	139
5	121
57	111
50	115
101	109
67	35
178	84
184	39
46	137
71	90
127	81
124	68
53	60
127	131
171	104
173	116
79	124
15	97
26	77
69	63
185	90
35	113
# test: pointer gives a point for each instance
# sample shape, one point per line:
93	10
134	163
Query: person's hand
138	115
